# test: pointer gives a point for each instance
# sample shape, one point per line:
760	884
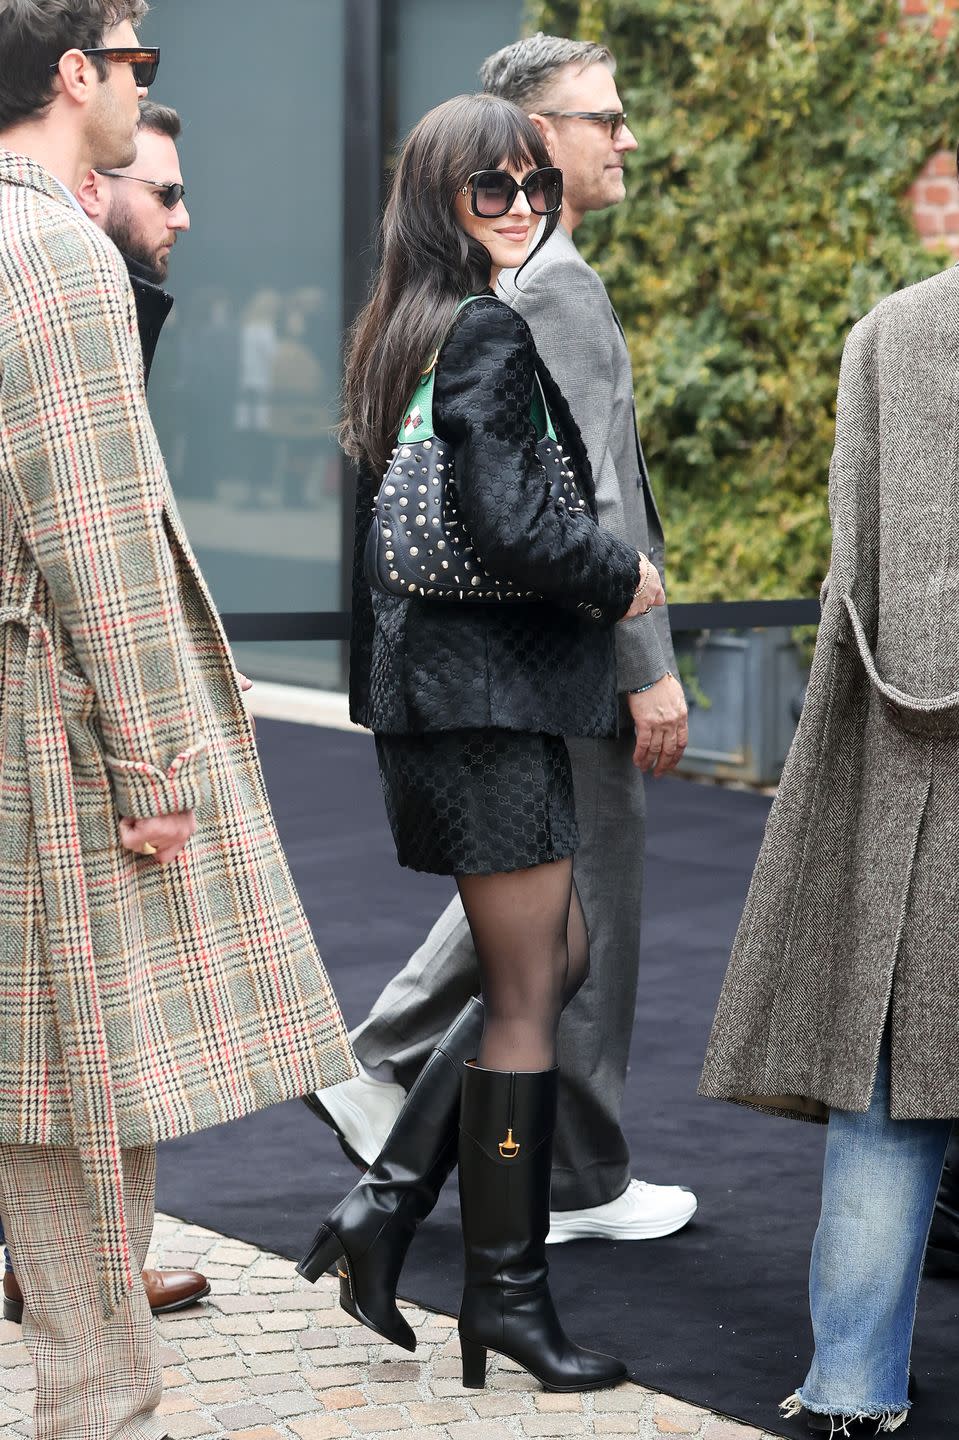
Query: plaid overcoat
137	1002
852	919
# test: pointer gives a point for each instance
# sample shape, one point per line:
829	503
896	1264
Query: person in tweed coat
158	971
840	999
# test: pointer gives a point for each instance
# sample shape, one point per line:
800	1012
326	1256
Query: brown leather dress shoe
167	1291
12	1298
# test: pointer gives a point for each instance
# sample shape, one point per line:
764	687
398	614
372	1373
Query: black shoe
942	1251
506	1152
373	1227
833	1425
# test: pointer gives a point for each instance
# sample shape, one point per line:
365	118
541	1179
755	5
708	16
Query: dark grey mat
715	1314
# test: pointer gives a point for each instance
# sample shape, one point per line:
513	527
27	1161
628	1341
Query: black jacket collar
153	307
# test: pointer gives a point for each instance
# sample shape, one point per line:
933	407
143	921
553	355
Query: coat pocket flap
915	714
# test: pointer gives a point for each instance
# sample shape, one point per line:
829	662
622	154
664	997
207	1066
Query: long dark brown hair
428	263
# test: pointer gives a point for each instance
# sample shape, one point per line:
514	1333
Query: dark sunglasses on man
171	191
145	60
615	119
492	192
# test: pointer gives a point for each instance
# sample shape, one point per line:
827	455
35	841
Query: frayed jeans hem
886	1417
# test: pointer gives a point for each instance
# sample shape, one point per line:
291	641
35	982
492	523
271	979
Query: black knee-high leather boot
942	1252
506	1151
371	1229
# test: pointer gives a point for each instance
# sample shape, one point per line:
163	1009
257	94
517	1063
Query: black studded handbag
417	542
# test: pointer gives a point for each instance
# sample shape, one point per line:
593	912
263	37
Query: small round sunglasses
171	192
144	60
492	192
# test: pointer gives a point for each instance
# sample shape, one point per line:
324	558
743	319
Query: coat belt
82	1032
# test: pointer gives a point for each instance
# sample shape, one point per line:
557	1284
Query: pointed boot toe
368	1274
378	1311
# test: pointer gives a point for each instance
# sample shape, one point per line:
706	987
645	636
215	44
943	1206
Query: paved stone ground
269	1357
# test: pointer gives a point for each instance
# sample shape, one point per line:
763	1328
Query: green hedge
766	213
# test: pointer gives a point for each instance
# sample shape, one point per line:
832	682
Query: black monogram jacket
548	666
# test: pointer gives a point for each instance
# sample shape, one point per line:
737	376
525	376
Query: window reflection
246	384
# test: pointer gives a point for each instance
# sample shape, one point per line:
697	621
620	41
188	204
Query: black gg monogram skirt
478	802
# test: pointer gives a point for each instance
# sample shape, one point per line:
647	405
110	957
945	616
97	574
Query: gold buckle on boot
508	1148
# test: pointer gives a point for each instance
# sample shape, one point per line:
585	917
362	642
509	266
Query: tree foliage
767	213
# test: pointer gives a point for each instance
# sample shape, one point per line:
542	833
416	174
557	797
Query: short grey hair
525	72
160	119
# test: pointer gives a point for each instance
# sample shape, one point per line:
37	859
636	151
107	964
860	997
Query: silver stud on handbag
417	544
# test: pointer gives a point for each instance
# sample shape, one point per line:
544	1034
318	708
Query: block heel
474	1364
324	1252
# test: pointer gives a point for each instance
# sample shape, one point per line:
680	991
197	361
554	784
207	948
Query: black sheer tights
532	945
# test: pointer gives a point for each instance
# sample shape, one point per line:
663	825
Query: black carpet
716	1314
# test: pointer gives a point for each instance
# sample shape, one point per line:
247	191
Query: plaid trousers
96	1379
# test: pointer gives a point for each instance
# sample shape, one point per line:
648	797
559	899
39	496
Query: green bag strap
417	423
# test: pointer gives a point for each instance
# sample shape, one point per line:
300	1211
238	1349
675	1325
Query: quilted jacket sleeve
82	470
482	399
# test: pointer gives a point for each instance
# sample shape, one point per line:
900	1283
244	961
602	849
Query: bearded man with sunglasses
569	90
150	934
143	210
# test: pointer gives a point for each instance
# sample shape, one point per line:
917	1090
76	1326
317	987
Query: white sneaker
642	1212
361	1111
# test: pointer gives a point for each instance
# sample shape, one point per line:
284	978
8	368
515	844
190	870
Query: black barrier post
363	150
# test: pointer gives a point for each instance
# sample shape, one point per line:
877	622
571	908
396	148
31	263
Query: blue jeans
880	1181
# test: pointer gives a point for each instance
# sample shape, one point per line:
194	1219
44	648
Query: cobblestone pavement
269	1357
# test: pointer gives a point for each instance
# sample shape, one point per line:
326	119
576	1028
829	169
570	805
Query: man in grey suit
569	89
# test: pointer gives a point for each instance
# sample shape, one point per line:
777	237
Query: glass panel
440	47
245	385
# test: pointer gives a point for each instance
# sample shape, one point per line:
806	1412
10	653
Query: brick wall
935	193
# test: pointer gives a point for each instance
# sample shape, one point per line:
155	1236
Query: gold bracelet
641	587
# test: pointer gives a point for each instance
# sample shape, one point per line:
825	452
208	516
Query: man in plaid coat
157	971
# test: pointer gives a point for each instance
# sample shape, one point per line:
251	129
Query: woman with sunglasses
470	700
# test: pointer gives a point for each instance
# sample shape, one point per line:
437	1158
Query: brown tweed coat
852	918
136	1002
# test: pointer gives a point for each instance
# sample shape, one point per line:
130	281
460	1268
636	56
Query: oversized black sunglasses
615	119
144	59
171	192
492	192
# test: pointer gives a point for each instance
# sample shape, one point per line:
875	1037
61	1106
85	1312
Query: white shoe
361	1111
642	1212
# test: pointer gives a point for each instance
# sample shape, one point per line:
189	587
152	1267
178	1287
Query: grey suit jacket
581	340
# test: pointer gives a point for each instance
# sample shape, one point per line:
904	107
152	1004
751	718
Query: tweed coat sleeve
576	333
482	402
854	482
86	481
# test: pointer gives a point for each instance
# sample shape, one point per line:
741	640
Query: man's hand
660	719
246	684
168	834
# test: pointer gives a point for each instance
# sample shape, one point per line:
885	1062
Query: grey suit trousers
591	1157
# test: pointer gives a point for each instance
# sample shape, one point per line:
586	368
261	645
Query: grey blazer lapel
640	454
